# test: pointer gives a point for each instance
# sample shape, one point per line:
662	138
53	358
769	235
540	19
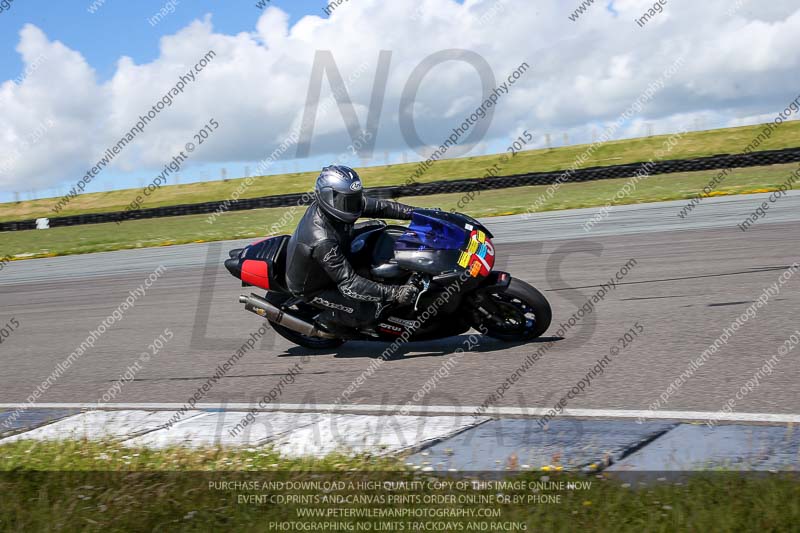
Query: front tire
524	313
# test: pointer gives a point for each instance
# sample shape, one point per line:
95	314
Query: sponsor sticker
478	258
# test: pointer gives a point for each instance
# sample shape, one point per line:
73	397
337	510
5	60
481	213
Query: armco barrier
755	159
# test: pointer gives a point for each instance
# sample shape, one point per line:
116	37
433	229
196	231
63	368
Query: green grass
91	456
257	223
695	144
678	186
137	234
93	486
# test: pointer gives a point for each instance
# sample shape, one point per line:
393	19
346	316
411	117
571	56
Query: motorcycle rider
318	269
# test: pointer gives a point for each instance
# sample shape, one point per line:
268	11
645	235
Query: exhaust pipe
261	307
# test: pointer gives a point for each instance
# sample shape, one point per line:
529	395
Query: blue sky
118	27
102	69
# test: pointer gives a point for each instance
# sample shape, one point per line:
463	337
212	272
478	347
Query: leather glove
406	295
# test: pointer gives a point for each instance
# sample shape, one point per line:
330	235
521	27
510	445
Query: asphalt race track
693	278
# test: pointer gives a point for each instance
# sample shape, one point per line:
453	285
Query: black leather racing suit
318	270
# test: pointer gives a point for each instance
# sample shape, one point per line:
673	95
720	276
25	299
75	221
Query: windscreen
432	233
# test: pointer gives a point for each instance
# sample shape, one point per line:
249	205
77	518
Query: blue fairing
432	233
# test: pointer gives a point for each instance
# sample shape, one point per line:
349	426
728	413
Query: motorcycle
449	256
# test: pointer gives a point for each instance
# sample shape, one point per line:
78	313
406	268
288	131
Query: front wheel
521	313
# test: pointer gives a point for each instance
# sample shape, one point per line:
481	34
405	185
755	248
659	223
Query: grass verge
694	144
256	223
104	486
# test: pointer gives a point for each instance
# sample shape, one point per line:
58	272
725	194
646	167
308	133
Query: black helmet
339	193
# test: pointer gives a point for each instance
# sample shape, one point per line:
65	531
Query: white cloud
738	67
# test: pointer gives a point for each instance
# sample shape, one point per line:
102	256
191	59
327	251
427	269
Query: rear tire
525	313
313	343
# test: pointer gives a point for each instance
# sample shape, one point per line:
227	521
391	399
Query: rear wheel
305	312
521	313
314	343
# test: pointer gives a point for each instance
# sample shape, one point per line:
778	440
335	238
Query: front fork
484	309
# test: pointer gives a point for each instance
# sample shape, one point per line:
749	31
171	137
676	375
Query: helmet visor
348	202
